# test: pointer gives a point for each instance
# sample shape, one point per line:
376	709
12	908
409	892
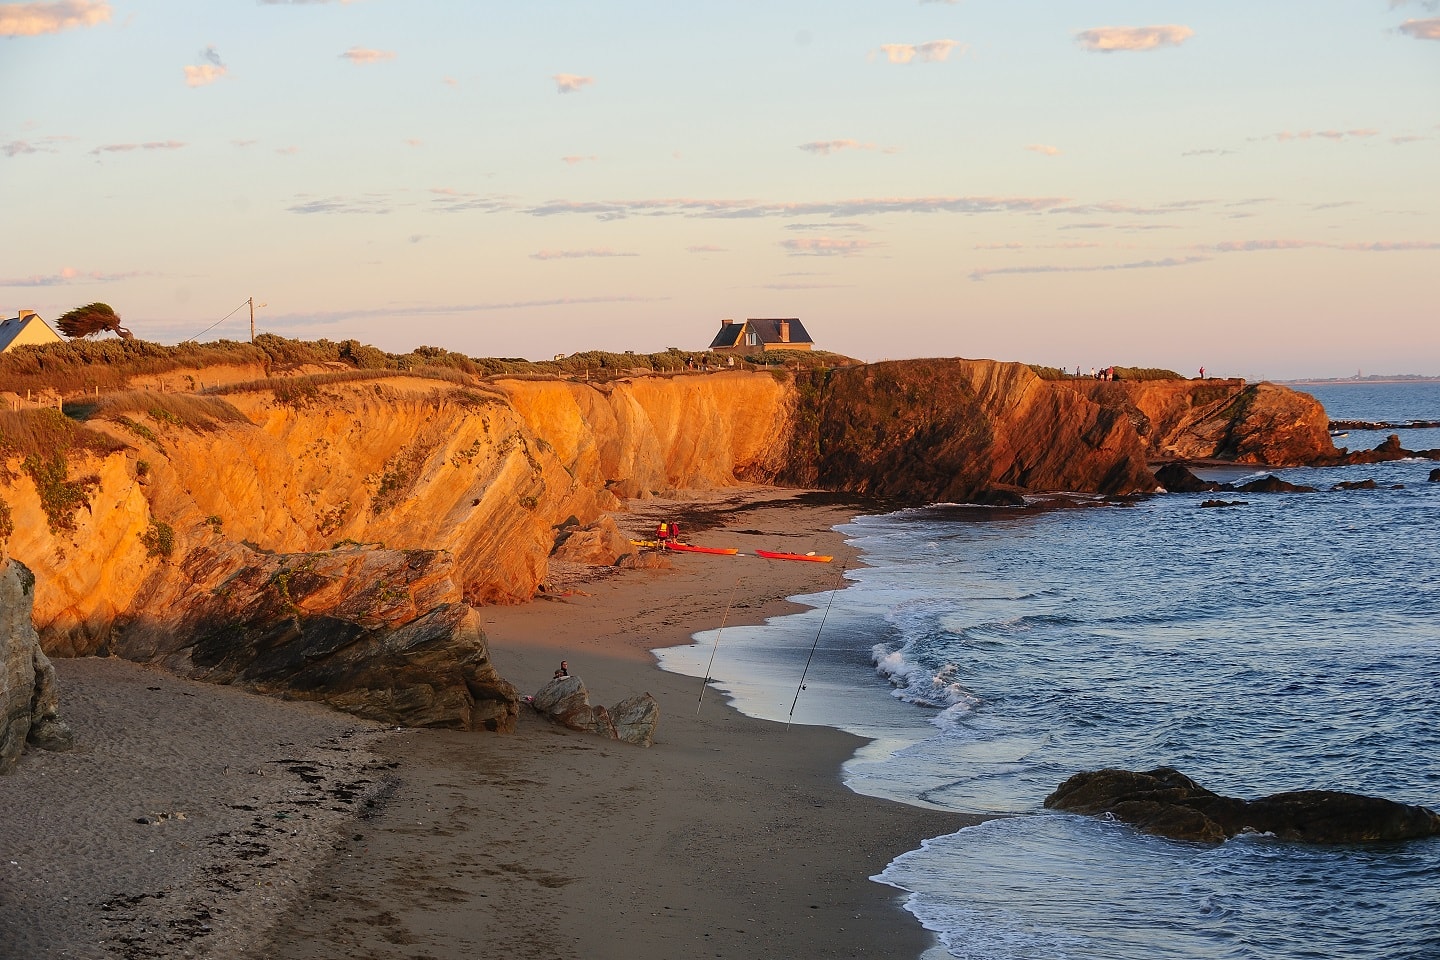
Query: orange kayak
772	555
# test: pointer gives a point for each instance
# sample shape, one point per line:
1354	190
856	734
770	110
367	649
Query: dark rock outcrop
1271	484
1387	451
1177	478
29	700
382	634
1222	503
565	701
1435	475
1356	485
1167	803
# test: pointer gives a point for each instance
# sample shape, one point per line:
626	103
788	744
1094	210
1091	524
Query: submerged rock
1356	485
1435	475
566	701
29	700
1167	803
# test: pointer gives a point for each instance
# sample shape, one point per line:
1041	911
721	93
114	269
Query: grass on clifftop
1121	373
78	366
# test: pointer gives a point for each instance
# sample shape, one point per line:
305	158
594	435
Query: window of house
750	338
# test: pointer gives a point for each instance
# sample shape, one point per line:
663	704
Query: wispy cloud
297	3
366	204
363	55
826	246
205	73
1374	246
854	226
985	272
44	145
826	147
289	151
579	254
389	312
450	200
706	248
127	147
33	19
754	209
1115	39
1333	135
1046	149
66	275
1132	209
570	82
1209	152
932	51
1422	29
801	285
573	159
414	142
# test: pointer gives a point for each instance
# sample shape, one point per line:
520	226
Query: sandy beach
280	830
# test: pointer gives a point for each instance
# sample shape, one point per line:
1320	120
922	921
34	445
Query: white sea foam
915	683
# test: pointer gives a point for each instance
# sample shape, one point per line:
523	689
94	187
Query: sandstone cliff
1258	423
949	430
177	518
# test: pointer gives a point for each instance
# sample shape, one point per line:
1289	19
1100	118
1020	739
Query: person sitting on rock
562	671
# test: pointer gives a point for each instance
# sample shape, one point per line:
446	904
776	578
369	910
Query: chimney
784	331
725	323
26	313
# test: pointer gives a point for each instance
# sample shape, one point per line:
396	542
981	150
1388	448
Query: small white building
26	330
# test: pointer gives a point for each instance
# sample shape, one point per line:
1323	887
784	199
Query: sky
1246	186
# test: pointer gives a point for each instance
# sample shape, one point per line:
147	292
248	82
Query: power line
216	323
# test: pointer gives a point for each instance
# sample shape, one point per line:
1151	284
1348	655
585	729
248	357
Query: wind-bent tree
89	319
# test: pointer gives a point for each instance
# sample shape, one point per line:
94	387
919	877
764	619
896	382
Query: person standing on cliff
562	671
1202	373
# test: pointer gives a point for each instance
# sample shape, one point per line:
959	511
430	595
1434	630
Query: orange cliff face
1231	420
487	472
956	430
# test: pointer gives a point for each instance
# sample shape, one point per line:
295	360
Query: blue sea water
1289	643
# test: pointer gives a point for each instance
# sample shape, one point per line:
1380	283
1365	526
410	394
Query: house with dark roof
759	336
28	328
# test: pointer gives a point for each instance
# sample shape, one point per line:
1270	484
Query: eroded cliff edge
298	524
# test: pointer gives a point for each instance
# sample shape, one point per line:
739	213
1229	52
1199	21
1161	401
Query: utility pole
252	319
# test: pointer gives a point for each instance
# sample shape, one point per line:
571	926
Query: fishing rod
821	629
714	649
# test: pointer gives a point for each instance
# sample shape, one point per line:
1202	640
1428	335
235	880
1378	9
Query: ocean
1288	643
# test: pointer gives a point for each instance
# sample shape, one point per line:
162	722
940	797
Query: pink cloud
33	19
1113	39
706	248
825	246
127	147
203	75
1049	151
932	51
1422	29
362	55
570	82
65	276
573	159
826	147
1373	246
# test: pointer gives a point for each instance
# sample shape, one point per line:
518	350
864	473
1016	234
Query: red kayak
691	548
772	555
